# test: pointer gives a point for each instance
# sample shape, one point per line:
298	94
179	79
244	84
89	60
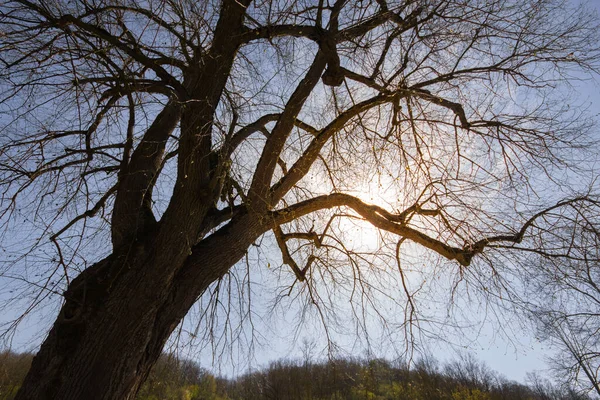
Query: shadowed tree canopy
147	145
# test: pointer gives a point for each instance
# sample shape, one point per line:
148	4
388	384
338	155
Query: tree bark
119	313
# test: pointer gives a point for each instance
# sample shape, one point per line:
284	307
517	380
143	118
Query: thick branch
456	108
327	39
260	126
129	213
517	237
197	186
87	214
245	132
287	257
272	150
303	164
270	32
395	223
376	216
380	18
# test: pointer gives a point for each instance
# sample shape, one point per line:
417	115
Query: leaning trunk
105	339
119	313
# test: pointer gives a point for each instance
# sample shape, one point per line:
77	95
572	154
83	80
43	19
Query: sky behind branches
514	354
512	360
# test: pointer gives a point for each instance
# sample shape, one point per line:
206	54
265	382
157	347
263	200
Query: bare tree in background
176	134
567	310
577	359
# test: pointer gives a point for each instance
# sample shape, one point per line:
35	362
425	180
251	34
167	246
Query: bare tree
576	363
176	134
567	311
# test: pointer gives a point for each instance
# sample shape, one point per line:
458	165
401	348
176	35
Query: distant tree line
340	379
362	379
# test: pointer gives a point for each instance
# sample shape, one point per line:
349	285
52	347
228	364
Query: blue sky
512	359
513	356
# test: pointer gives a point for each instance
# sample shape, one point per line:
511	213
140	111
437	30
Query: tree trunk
119	313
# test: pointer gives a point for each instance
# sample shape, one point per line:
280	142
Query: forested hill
355	379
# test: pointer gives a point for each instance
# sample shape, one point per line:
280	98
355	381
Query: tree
567	315
578	354
177	134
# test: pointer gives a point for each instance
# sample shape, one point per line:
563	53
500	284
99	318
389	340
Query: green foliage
13	368
470	394
355	379
341	379
176	379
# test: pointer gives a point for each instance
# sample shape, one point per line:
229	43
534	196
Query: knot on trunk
333	76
